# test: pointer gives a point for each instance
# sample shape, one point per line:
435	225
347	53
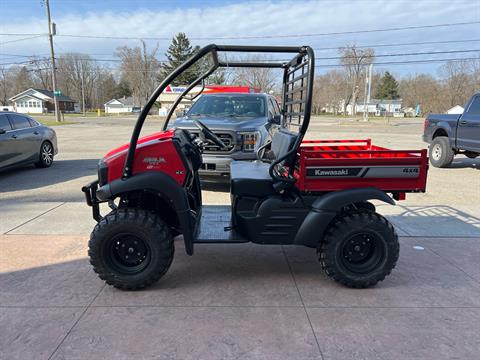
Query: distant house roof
126	101
385	101
47	93
50	95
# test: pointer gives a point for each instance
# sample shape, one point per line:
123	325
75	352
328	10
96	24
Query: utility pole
369	87
83	90
365	102
51	32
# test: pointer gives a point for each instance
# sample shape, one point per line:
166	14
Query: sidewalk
245	301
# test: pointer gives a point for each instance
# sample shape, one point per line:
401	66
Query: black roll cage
297	90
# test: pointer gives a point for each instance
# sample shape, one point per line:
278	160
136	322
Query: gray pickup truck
243	121
451	134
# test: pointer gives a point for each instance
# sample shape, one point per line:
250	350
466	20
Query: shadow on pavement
463	163
436	220
29	177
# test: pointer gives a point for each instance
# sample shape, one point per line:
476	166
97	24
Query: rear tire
359	249
440	152
131	248
46	155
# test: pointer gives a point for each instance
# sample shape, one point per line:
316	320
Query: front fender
326	207
163	185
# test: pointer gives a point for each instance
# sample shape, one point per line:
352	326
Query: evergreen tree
387	88
179	51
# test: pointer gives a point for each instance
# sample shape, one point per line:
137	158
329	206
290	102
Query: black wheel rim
362	253
47	153
128	254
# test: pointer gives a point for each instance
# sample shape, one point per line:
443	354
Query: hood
158	136
221	123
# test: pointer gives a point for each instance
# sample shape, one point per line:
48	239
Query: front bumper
90	192
220	164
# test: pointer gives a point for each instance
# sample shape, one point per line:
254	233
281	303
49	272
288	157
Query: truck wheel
440	153
359	249
131	248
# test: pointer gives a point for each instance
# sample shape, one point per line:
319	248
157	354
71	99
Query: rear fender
326	207
163	185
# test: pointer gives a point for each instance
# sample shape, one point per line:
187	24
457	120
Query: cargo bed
330	165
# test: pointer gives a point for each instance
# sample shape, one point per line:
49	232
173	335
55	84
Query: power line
22	39
402	44
259	36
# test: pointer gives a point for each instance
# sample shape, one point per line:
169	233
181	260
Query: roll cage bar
297	90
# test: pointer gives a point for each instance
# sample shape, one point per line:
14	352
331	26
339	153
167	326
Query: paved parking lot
235	302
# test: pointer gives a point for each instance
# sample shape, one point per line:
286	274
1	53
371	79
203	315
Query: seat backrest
282	143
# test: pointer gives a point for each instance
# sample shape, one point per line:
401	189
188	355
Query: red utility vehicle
311	193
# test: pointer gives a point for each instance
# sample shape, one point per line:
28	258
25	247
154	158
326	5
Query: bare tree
423	90
78	76
4	86
329	91
355	60
458	81
42	73
139	69
264	79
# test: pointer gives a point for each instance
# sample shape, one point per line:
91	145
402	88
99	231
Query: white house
122	105
377	107
457	109
38	101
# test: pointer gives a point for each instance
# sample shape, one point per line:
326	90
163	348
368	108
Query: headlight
250	140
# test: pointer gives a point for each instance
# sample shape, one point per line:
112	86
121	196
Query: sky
210	21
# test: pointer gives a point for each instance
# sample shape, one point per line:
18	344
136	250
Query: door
468	128
8	149
27	138
273	111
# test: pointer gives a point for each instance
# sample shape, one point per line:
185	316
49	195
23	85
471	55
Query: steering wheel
208	134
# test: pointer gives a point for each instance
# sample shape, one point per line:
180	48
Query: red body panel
397	171
155	152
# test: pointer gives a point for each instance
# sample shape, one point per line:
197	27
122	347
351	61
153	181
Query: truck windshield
229	106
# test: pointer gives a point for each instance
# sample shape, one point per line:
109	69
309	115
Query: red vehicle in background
311	193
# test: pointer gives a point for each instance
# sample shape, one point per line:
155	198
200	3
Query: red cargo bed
329	165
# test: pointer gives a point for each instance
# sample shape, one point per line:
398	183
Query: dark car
452	134
23	141
244	122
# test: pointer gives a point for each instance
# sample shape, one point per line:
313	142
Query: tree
459	81
261	78
423	90
139	69
355	60
387	88
4	86
178	52
329	91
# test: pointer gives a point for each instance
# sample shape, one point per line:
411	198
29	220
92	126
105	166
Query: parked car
243	121
451	134
23	141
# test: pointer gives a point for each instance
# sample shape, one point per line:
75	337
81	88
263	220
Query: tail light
249	141
425	125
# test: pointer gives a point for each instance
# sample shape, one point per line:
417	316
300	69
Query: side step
213	224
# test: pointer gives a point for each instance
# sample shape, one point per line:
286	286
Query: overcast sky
217	19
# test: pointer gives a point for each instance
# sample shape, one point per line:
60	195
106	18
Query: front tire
45	159
131	249
440	152
359	249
